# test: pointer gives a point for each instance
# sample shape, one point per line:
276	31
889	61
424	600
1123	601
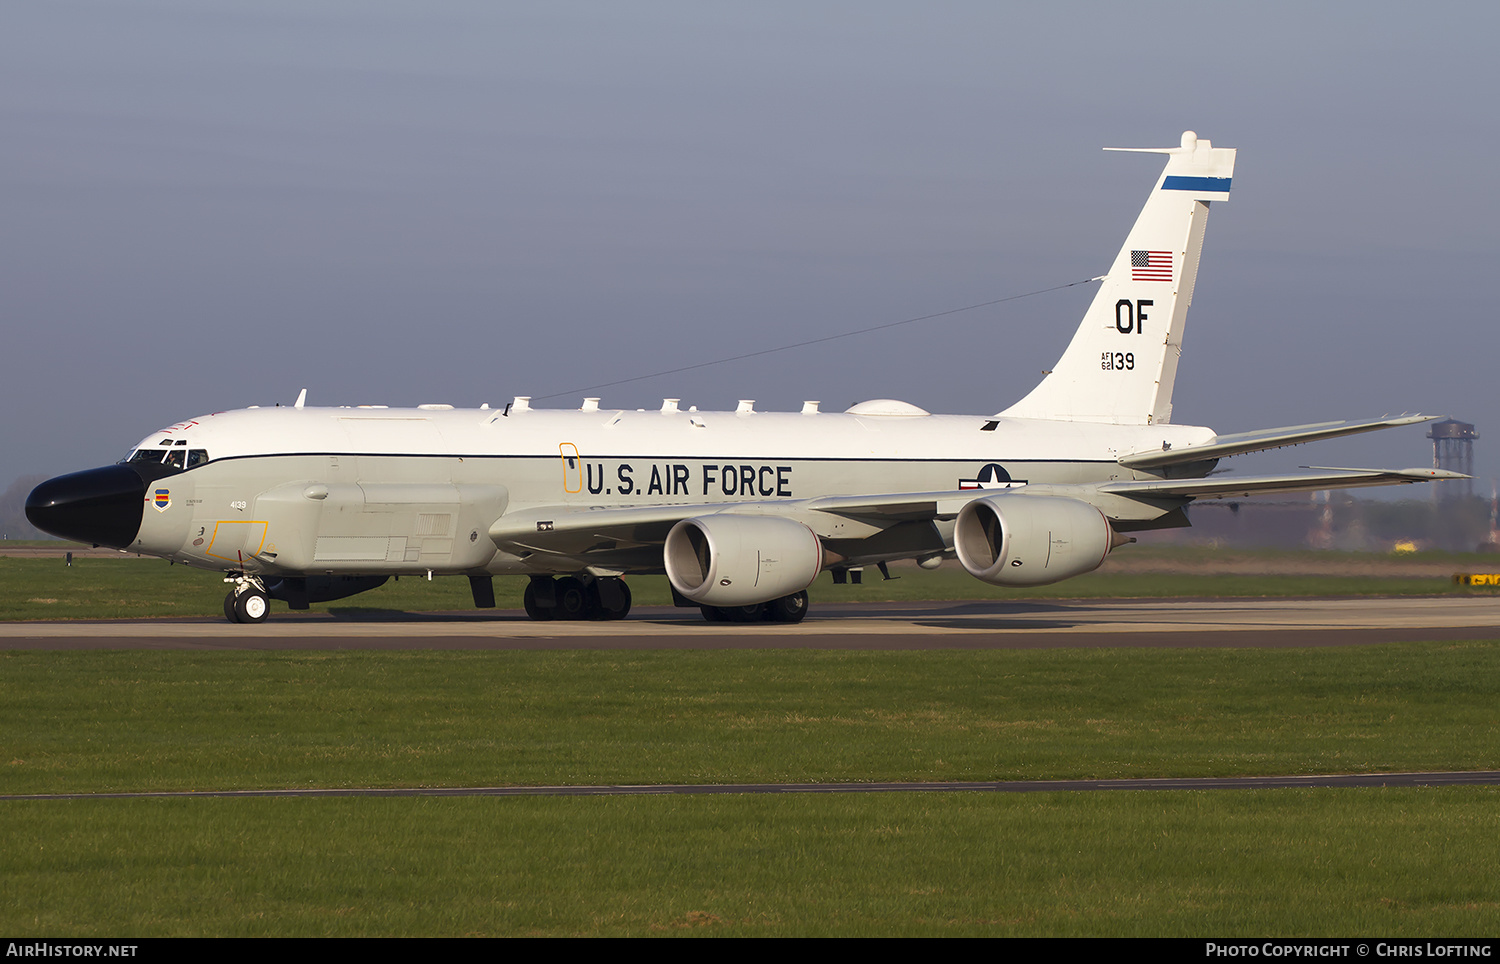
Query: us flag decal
1150	266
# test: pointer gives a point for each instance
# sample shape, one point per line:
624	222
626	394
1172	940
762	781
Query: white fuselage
351	490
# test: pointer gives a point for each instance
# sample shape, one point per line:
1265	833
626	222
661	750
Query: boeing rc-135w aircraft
741	509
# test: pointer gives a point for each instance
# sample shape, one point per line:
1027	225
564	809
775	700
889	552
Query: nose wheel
247	602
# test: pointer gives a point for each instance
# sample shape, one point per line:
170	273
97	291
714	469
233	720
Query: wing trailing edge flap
1224	446
1220	487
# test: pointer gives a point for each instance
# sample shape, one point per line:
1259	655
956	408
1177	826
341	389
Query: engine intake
1027	540
741	560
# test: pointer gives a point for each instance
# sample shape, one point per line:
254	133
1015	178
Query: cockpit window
178	458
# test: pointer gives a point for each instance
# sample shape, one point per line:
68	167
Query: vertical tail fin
1122	361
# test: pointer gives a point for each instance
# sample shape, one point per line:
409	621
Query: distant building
1453	450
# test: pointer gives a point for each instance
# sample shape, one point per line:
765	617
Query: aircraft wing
609	538
945	505
1270	438
1220	487
590	536
605	539
552	527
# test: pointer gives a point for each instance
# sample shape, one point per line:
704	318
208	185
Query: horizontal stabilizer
1224	446
1223	487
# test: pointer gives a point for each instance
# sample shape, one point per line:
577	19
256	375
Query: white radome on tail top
741	509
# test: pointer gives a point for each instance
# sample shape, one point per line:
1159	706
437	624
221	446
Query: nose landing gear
248	601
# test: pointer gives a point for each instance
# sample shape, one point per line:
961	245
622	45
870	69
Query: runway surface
1342	621
1323	781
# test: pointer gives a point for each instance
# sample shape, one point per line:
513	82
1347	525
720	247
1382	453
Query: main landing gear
248	601
577	597
787	609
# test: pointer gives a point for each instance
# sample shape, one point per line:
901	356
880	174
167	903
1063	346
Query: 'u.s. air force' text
675	478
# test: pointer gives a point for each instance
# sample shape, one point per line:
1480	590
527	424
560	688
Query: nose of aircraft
97	506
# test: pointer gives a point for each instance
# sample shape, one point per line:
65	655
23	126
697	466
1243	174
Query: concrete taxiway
1447	778
932	625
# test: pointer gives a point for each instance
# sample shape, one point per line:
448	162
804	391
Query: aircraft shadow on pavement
363	614
981	614
997	625
996	615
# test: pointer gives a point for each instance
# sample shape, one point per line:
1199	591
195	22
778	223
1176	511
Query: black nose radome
97	506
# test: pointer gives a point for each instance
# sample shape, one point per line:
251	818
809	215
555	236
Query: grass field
1369	862
1306	862
136	720
1222	863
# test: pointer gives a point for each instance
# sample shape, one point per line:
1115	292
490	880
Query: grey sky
209	205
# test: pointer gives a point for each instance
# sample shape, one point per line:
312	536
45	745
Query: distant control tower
1453	449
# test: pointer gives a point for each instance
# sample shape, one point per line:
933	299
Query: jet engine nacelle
741	560
1026	540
